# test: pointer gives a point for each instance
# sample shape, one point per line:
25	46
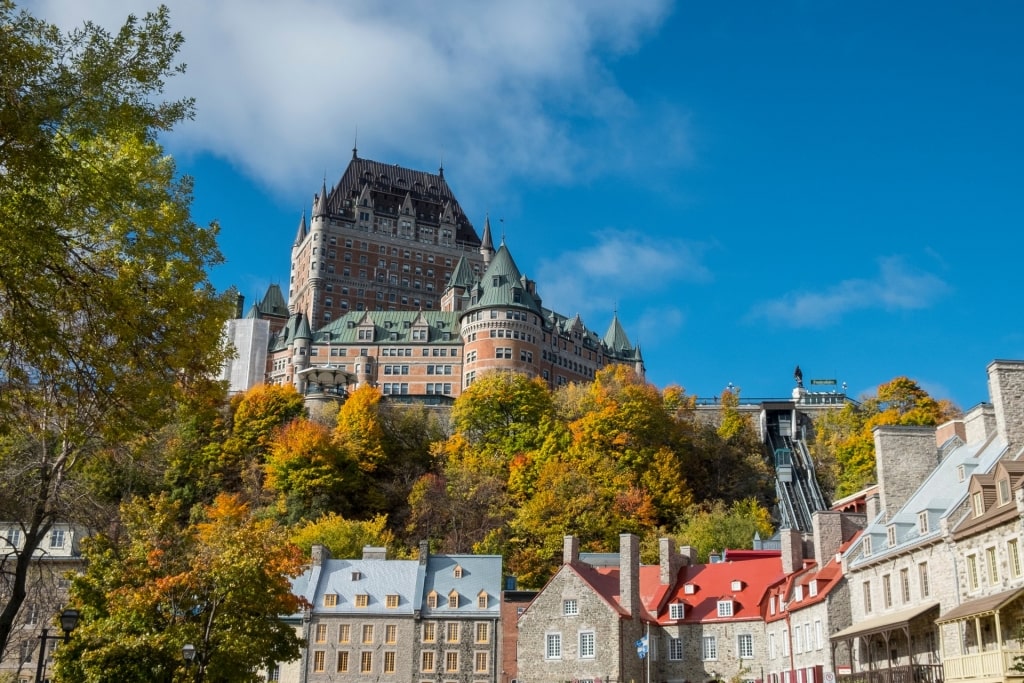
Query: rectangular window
725	608
342	662
452	634
330	599
57	538
390	633
922	522
453	600
746	646
709	648
891	533
1013	553
587	644
391	601
867	597
887	590
570	608
922	576
978	503
785	642
1004	491
429	632
344	633
553	646
481	600
677	610
451	661
367	633
972	572
481	663
318	660
365	662
798	640
483	632
905	585
362	600
771	646
819	641
427	661
389	662
993	568
321	633
675	649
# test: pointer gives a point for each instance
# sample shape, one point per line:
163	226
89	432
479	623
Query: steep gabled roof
755	572
615	337
273	303
503	285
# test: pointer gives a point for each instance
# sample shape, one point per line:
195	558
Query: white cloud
281	88
618	264
896	287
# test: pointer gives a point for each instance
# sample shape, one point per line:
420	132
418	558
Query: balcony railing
917	673
993	664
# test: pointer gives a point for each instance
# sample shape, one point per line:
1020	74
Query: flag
641	647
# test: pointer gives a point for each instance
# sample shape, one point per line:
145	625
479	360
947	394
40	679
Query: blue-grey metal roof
374	578
479	574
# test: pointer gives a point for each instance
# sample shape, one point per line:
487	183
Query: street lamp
190	654
68	622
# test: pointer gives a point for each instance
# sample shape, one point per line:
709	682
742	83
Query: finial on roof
355	145
502	221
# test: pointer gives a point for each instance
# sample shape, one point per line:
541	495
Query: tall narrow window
972	572
905	585
389	662
922	577
992	566
587	644
365	662
553	646
746	646
887	591
709	648
867	597
1013	553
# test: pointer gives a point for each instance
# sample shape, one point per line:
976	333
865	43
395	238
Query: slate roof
940	495
388	187
375	578
273	305
479	574
503	285
392	327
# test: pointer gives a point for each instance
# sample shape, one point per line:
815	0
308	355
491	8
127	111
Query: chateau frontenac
391	286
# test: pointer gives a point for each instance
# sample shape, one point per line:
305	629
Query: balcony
916	673
994	665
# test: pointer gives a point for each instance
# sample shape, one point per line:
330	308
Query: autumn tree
717	526
343	537
106	312
221	584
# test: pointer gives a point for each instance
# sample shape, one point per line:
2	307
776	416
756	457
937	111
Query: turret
486	243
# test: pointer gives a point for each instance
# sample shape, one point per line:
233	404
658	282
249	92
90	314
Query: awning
981	606
885	622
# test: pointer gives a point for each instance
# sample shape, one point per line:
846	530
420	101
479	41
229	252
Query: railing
996	663
916	673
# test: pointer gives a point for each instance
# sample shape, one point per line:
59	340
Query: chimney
872	505
688	554
374	553
945	432
831	530
792	550
320	554
1006	391
570	550
424	553
629	573
669	560
904	457
979	423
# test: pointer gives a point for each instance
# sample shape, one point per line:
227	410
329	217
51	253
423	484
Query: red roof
754	571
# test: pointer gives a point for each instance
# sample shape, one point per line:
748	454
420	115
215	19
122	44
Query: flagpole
647	637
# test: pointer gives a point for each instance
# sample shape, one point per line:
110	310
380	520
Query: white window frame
587	644
570	607
725	608
745	645
552	646
709	648
677	610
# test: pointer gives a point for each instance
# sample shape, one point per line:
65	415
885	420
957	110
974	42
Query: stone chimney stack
669	560
629	573
945	432
904	457
872	505
688	554
792	550
372	552
570	550
1006	391
320	554
979	423
831	530
424	553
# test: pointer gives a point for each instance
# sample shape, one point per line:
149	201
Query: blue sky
752	185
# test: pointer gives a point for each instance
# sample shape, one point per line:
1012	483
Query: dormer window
457	572
432	600
737	585
922	522
799	593
771	605
362	599
1003	485
689	589
978	503
481	600
453	599
961	474
812	587
356	576
890	533
677	610
725	608
866	546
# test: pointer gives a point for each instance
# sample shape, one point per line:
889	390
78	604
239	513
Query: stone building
435	618
47	593
390	286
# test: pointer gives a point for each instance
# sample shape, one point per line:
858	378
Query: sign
844	670
828	382
829	677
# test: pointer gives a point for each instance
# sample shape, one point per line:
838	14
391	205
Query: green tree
220	584
106	312
345	538
715	526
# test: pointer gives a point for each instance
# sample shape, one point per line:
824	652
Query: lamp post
191	654
68	622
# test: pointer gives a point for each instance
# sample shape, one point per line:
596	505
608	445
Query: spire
615	337
355	145
486	245
301	235
320	205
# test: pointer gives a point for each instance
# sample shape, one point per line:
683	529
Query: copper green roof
463	275
273	303
502	285
615	337
391	327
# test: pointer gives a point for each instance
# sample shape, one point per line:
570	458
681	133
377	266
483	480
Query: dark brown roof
985	605
390	185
